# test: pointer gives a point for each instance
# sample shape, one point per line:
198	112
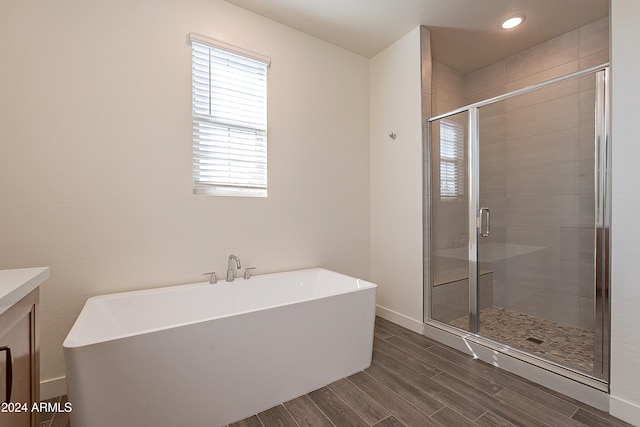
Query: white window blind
229	119
451	160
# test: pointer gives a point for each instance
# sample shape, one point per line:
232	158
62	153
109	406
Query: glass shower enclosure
517	221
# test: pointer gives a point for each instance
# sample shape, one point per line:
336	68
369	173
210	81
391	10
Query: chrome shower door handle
487	222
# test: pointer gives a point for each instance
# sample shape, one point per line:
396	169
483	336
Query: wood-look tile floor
415	381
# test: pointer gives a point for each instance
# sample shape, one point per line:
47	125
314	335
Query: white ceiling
464	33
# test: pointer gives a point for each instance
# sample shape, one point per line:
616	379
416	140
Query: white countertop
16	284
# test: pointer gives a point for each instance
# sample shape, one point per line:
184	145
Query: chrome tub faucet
230	267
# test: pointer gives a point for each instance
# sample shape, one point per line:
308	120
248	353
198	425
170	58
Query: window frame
229	117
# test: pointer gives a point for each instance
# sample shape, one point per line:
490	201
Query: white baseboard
624	410
53	388
400	319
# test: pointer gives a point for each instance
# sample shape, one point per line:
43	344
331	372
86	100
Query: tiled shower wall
449	216
537	173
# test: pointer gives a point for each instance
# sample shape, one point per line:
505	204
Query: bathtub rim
71	343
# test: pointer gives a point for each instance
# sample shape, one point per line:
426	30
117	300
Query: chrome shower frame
595	384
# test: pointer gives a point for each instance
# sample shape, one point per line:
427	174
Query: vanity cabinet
20	346
19	363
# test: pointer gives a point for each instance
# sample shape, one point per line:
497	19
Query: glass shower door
518	221
537	227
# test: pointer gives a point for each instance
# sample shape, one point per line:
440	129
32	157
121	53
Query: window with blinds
451	160
229	88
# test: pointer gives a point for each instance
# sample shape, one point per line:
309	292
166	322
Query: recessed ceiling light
511	22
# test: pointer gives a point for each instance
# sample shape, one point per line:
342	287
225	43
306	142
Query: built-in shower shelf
450	293
490	252
454	275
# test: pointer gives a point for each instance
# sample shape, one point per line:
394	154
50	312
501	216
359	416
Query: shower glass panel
537	182
517	212
450	219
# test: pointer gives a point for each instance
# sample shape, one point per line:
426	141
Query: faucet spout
230	267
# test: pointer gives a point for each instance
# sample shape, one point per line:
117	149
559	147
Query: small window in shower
451	160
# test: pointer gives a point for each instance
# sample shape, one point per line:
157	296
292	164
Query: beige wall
95	153
396	177
625	292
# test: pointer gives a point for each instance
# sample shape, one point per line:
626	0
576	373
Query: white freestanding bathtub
207	355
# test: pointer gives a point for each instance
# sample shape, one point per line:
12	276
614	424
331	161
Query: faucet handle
247	273
213	279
